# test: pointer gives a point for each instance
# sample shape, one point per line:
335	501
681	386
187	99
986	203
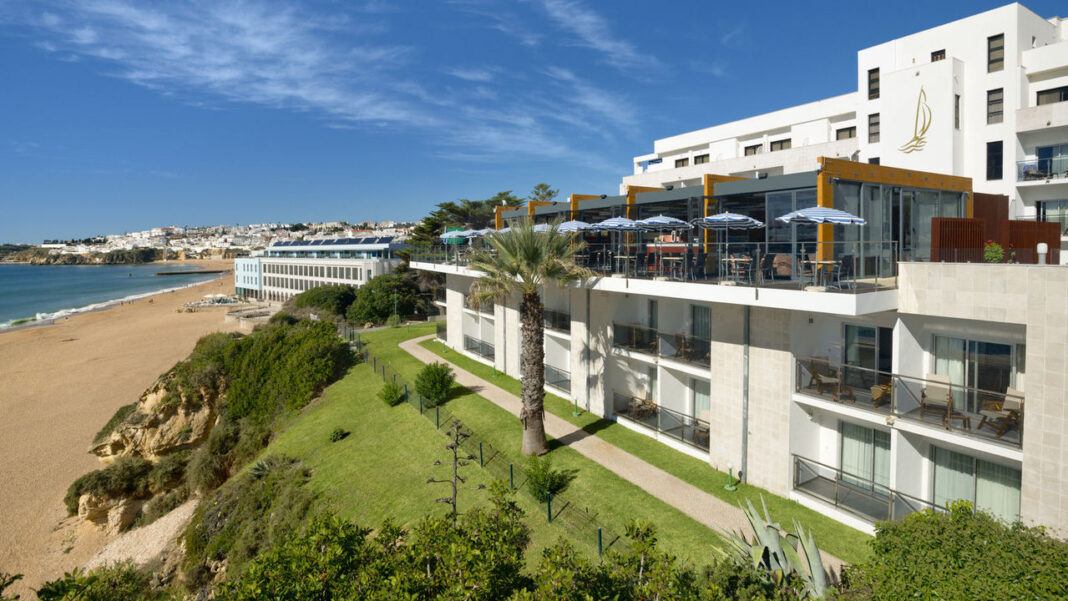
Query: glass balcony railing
558	378
691	430
1042	169
557	320
441	330
990	415
478	347
858	495
688	349
635	338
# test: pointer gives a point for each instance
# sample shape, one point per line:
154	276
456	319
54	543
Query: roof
366	243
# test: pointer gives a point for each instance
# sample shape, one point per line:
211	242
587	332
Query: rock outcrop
114	515
165	419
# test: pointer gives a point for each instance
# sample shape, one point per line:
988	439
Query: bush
332	300
119	416
543	481
338	434
382	296
126	478
993	252
959	555
434	382
118	581
391	394
168	473
162	504
394	321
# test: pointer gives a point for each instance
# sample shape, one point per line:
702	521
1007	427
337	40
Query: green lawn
615	500
844	542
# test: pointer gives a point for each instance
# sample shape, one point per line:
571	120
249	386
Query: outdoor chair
807	270
937	399
822	376
1004	415
881	394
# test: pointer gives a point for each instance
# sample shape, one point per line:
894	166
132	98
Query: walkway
707	509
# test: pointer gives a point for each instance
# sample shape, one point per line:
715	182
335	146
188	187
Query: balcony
974	412
687	349
558	379
635	338
679	426
860	496
1042	117
478	347
441	330
439	295
1035	170
557	320
470	305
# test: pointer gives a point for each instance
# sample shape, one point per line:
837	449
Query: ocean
43	292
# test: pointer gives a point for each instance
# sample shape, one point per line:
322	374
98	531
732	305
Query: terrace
860	496
688	429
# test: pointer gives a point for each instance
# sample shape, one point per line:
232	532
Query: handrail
558	378
479	347
556	320
635	337
680	426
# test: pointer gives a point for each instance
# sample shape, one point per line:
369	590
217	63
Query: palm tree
522	261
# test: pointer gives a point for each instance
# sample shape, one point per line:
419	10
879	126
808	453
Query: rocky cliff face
166	419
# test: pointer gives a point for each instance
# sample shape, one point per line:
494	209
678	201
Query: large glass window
988	486
865	457
867	355
1050	96
780	145
979	371
701	322
994	156
1055	211
845	133
702	403
754	149
1052	161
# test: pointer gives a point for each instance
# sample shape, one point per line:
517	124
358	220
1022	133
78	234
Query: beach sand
58	385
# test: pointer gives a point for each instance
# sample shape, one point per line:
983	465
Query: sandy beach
58	385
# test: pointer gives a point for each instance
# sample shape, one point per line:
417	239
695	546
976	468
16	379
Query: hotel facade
286	269
864	371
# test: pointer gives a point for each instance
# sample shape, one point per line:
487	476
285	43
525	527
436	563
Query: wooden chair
881	394
1004	415
823	377
937	399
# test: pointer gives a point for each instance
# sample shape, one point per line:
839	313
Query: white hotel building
889	383
288	268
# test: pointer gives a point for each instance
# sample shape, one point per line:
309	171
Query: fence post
600	543
374	363
437	416
481	460
420	403
511	476
394	378
549	507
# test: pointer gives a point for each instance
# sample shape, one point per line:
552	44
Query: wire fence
563	510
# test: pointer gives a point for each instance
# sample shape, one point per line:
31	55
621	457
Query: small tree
543	193
544	481
460	458
391	394
993	252
435	382
382	296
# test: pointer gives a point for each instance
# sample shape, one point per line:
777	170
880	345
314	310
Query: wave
47	318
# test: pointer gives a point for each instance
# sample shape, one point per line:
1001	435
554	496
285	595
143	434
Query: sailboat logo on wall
920	127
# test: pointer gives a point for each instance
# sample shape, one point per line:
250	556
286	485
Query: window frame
756	148
938	55
995	43
684	162
851	130
995	97
1061	92
779	145
700	159
956	111
876	120
873	83
995	171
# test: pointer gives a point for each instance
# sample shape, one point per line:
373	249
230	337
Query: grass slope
379	471
844	542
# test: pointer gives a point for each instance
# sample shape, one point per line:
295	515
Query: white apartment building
984	97
288	268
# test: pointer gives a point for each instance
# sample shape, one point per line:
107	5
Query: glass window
754	149
865	457
682	162
653	378
653	309
994	160
780	145
1054	211
995	53
989	486
873	128
956	111
845	133
938	55
701	322
700	159
873	84
873	161
702	403
1054	95
995	104
979	371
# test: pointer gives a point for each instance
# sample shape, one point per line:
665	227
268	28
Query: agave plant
785	557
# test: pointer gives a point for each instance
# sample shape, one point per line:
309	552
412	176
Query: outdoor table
819	266
733	265
674	264
625	261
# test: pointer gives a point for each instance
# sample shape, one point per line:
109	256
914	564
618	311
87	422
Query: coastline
51	318
58	386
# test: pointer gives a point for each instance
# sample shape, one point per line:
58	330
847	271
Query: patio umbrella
728	221
822	215
573	226
663	223
540	228
617	224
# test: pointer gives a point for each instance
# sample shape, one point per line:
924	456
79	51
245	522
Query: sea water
45	292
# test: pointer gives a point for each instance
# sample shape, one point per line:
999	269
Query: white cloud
472	74
591	30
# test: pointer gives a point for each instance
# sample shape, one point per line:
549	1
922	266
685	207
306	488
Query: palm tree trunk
532	370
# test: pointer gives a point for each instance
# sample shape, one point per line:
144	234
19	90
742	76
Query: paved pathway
687	498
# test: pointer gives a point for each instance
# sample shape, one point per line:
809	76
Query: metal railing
1041	169
686	428
441	330
478	347
558	378
635	338
985	414
858	495
689	349
557	320
469	303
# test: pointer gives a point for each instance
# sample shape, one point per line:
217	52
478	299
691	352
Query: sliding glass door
979	371
867	355
988	486
865	458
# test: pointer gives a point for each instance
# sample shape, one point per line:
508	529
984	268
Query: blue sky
118	115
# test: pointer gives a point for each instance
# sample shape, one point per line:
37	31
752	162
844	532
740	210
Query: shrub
127	477
338	434
959	555
119	416
332	300
162	504
394	321
434	382
993	252
382	296
209	466
543	481
168	473
391	394
118	581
